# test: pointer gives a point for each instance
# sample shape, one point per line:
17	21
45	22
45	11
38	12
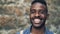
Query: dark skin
38	17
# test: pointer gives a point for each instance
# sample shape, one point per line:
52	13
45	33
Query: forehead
38	6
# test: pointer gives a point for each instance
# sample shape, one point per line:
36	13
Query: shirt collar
28	31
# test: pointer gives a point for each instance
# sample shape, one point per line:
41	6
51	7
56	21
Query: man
38	16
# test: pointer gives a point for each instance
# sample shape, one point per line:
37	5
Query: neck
38	31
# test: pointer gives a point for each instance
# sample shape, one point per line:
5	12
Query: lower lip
37	23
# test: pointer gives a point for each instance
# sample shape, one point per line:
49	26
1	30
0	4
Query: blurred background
14	15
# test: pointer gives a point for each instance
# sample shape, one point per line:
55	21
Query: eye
32	11
42	11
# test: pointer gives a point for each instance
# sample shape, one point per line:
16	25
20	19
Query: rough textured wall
14	15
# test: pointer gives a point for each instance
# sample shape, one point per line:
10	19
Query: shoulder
21	32
25	31
48	31
17	32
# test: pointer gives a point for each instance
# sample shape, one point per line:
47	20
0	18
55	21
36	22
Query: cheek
43	16
31	15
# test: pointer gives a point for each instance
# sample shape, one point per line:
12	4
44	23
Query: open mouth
37	21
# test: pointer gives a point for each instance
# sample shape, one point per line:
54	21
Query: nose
37	14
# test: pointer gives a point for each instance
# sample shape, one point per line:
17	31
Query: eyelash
32	11
42	12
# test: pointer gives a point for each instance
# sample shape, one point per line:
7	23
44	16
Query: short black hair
40	1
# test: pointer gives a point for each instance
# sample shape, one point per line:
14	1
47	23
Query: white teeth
36	20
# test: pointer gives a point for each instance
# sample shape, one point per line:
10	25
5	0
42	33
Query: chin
36	25
39	26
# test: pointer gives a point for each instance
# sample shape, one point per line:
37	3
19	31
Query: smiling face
38	15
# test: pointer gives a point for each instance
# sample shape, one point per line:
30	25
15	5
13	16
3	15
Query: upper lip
38	23
38	18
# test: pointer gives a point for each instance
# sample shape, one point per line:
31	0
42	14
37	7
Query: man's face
38	14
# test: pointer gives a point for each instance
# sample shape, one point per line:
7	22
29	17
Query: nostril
36	14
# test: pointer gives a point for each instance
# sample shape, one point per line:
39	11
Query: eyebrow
40	10
37	9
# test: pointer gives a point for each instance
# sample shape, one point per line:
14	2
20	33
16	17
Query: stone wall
14	15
